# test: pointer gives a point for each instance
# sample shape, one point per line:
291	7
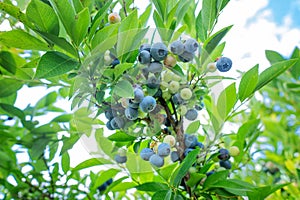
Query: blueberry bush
155	101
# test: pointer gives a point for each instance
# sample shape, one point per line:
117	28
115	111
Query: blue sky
283	8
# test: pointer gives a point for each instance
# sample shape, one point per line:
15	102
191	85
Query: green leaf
104	144
234	186
209	14
69	142
212	42
124	186
53	64
227	100
91	163
200	30
273	56
99	17
221	4
60	42
274	71
123	89
15	64
217	52
215	178
105	36
39	146
46	101
63	118
152	186
121	68
127	32
166	170
9	87
65	162
12	111
66	14
104	176
145	16
84	122
43	17
22	40
214	115
120	136
194	179
295	70
77	5
80	26
162	195
161	7
193	127
248	83
183	168
16	13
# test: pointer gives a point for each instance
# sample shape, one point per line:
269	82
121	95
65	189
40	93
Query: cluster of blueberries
156	159
156	155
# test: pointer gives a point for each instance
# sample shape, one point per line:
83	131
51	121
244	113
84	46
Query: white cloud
255	31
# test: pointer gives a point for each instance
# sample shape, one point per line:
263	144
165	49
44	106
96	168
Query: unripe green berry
114	18
174	86
211	67
122	152
182	110
234	151
192	170
170	61
170	139
168	76
186	93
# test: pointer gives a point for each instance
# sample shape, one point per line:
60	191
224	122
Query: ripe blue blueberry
109	114
131	113
159	51
148	104
200	145
200	106
186	56
138	95
225	163
144	57
117	122
115	62
108	126
109	181
177	99
174	156
187	151
120	159
102	187
163	149
153	82
146	153
191	45
145	46
223	154
224	64
177	47
155	67
190	141
156	160
132	104
210	172
191	114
